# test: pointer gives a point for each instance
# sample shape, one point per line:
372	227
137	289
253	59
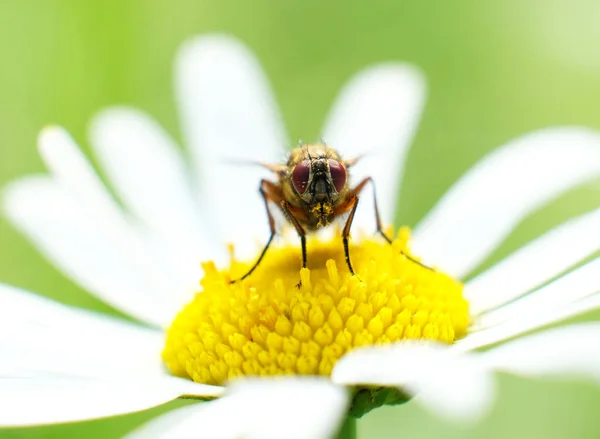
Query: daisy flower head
337	343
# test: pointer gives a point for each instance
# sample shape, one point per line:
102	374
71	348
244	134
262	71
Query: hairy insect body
312	184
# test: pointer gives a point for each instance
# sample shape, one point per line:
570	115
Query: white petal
577	284
28	401
106	261
109	242
149	174
215	419
376	116
308	408
565	351
313	406
475	215
453	386
39	336
526	323
63	339
72	171
228	116
535	263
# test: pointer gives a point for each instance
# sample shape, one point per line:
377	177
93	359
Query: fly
312	189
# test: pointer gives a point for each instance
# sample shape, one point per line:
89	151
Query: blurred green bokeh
495	70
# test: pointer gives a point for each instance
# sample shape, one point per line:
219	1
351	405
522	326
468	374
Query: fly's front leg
356	191
285	206
265	194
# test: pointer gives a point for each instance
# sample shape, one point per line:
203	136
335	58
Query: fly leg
265	194
355	191
346	234
285	206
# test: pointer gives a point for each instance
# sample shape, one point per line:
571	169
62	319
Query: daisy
62	364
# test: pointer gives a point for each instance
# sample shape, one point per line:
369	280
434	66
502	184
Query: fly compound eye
300	176
338	174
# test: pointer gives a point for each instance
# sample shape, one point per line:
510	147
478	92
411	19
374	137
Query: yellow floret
268	325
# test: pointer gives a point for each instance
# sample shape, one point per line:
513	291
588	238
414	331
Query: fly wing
348	163
276	168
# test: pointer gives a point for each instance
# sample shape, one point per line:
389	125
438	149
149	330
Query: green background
495	70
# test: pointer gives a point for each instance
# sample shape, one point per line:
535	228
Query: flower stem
348	430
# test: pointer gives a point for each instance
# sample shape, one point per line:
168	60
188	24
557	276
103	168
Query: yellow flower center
268	325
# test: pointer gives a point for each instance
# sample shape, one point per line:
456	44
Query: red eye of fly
300	176
338	174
